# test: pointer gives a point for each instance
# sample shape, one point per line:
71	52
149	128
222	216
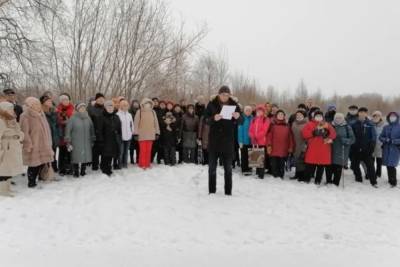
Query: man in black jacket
96	113
221	138
363	148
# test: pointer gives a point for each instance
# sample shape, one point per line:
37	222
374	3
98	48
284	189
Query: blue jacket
390	137
243	134
365	134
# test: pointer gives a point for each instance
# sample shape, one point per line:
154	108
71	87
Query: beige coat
10	148
146	123
37	145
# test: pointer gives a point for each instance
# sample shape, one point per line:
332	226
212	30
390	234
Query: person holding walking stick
340	149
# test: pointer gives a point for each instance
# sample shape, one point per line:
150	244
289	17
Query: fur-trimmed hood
146	100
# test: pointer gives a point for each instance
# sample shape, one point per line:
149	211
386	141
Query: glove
198	142
136	137
157	136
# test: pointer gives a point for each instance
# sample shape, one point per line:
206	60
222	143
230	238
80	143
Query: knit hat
302	112
44	98
302	106
260	107
353	107
108	103
339	116
98	95
331	107
64	96
318	112
363	109
79	105
224	90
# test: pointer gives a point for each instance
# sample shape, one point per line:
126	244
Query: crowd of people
51	134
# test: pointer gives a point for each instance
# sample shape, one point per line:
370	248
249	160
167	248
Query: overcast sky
347	46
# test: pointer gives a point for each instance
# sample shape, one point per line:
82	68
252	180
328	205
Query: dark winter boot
83	169
76	170
31	179
54	166
260	173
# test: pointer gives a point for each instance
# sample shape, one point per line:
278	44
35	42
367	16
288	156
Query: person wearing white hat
10	147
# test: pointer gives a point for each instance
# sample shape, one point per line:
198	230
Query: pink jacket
258	130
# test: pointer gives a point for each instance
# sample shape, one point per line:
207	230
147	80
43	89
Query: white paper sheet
227	112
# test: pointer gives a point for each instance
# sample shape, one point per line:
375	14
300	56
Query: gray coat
378	147
189	128
81	135
341	145
297	127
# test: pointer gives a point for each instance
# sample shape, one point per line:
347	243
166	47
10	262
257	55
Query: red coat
280	138
258	130
318	152
63	114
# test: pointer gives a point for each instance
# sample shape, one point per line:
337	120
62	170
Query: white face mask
318	118
353	111
392	119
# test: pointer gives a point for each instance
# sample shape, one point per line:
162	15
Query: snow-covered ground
165	217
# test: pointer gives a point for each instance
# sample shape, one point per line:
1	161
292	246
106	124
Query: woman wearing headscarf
64	110
340	148
80	137
300	120
37	144
146	131
11	137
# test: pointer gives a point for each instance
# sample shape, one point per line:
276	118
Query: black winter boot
76	170
31	178
83	169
